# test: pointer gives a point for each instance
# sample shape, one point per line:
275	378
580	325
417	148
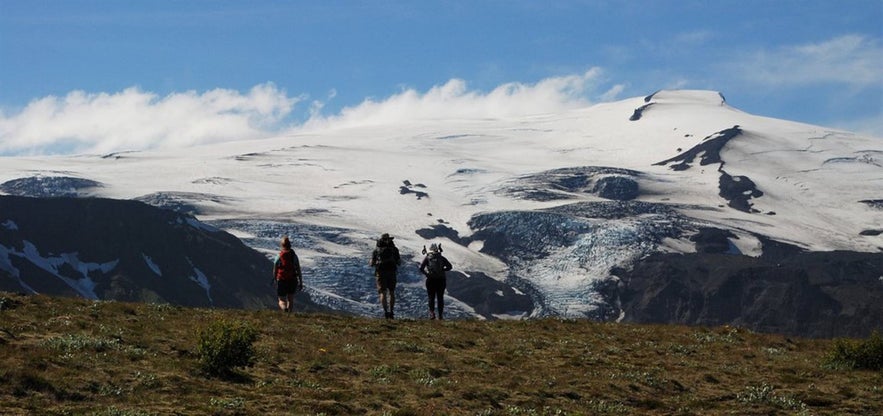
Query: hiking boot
431	314
387	315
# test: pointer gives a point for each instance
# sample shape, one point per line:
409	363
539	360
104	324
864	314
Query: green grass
74	356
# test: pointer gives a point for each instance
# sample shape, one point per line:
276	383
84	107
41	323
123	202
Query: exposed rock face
129	251
49	186
618	188
567	183
815	294
737	190
488	297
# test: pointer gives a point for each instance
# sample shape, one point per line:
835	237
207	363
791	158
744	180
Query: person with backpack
287	275
385	259
434	267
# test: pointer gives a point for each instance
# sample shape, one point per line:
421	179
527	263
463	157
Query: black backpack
435	266
386	258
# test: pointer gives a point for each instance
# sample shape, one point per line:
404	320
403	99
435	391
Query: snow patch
153	266
10	225
476	246
193	222
510	315
201	279
84	285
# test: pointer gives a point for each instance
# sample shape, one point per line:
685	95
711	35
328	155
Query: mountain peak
699	97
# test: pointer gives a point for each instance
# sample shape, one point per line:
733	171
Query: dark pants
435	288
286	287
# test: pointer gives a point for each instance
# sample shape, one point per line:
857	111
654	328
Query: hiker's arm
297	273
447	266
423	267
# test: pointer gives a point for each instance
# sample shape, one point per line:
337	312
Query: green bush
224	346
865	354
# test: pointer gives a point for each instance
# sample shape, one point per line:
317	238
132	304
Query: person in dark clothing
434	267
385	259
287	275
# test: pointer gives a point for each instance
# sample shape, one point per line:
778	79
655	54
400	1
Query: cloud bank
453	100
132	119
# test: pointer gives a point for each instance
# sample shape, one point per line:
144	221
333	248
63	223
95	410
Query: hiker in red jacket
286	273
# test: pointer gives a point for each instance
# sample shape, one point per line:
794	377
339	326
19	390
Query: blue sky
80	75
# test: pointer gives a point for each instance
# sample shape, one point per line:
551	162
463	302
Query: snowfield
518	200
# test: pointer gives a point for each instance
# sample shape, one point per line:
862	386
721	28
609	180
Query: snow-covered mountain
540	215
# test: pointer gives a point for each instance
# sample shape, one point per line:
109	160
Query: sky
80	76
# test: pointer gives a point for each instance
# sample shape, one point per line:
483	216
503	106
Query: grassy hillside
74	356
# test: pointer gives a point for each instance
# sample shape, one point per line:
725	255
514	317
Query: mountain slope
546	206
126	250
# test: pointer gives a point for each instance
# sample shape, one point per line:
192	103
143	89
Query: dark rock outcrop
489	298
183	202
567	183
873	203
815	294
708	151
714	240
407	188
639	112
619	188
738	191
49	186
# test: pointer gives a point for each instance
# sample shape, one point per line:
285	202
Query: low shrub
225	346
864	354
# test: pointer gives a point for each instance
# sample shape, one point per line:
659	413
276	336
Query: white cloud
134	119
83	122
613	93
850	60
454	100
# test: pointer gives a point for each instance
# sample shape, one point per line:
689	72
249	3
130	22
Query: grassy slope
74	356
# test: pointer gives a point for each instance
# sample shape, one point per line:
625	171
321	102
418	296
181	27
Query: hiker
287	276
385	259
434	266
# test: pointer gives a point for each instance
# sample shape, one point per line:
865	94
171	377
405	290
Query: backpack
386	258
286	265
435	266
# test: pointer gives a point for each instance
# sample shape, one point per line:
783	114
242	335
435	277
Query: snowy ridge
676	161
84	285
